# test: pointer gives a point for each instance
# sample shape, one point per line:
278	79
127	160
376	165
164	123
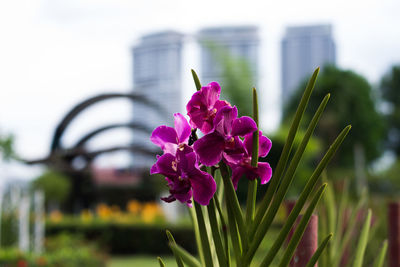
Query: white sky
54	53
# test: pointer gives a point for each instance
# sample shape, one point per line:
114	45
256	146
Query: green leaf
252	185
298	233
278	172
172	240
317	253
362	242
233	203
216	234
196	80
193	217
185	256
205	245
224	229
286	181
160	261
380	260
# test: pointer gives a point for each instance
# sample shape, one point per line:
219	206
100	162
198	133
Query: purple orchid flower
243	166
168	138
203	107
184	177
224	141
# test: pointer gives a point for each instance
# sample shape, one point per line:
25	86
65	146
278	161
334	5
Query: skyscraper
239	42
157	60
304	49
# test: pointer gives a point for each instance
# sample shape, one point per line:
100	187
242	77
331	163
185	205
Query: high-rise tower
304	49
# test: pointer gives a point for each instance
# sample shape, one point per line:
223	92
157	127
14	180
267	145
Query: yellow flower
56	216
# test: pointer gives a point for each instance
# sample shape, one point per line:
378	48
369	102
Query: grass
139	260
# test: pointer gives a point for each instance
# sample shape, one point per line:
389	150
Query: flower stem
205	245
216	234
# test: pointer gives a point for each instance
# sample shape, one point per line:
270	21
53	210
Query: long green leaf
286	181
380	260
216	234
177	257
252	185
193	217
233	202
317	253
362	242
224	229
160	261
235	236
185	256
280	167
196	80
298	233
205	245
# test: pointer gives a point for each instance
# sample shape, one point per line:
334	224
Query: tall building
157	60
218	43
304	49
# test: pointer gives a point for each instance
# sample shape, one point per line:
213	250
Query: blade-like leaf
286	181
216	234
362	242
205	245
177	257
280	167
160	261
380	260
185	256
298	233
317	254
196	80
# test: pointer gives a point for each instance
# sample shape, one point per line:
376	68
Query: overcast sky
54	53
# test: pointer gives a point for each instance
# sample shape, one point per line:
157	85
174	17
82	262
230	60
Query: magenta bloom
243	166
169	138
224	141
184	177
203	107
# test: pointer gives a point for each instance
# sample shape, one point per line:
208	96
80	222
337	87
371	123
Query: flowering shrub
229	150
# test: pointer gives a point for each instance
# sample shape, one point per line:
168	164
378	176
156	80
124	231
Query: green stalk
235	236
298	233
216	234
224	230
286	181
205	245
160	261
193	217
196	80
276	177
362	242
317	253
186	257
252	185
380	260
177	257
233	202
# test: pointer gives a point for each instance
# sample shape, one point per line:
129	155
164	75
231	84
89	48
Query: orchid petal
224	118
264	171
209	148
243	125
237	173
264	144
182	128
165	165
163	135
203	186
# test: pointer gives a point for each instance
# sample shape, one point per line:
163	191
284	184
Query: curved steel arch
55	144
135	126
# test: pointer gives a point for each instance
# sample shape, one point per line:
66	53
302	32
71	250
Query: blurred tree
237	79
56	187
352	102
390	89
6	147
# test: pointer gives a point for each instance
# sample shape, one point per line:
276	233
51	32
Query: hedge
117	238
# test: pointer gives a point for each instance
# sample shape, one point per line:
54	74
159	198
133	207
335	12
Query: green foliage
390	90
237	78
247	234
7	147
55	186
129	238
353	102
61	251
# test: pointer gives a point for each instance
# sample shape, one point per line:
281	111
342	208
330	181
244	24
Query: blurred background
83	84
